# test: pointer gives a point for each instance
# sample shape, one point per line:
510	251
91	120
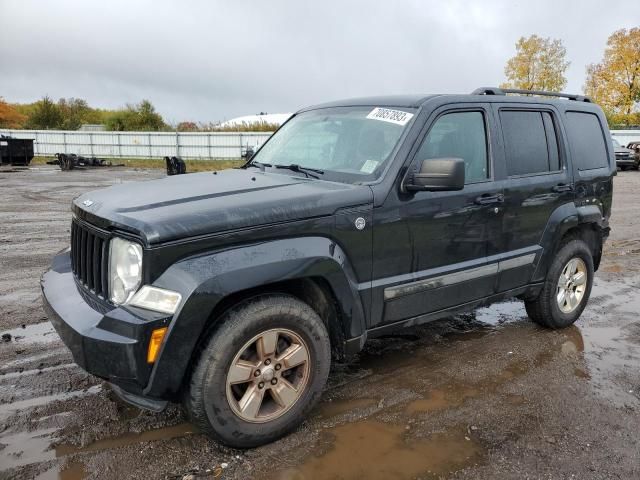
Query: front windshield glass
348	144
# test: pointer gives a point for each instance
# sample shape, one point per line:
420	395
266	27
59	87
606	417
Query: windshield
616	144
348	144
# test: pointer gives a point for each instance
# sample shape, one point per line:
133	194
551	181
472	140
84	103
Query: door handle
563	187
489	198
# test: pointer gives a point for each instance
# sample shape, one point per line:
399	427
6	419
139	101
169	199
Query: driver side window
462	135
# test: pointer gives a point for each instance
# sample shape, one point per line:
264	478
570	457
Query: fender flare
563	219
206	279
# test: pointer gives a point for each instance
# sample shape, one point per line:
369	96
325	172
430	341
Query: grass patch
192	165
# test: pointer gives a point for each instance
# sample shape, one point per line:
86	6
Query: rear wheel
261	371
566	289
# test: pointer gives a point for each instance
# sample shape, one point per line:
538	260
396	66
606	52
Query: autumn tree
539	64
9	116
614	83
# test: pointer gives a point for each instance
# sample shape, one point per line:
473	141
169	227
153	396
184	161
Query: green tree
75	112
45	115
140	117
614	83
539	64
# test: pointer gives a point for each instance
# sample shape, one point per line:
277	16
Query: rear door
538	182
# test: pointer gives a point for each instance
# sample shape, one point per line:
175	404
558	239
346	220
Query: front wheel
566	289
261	372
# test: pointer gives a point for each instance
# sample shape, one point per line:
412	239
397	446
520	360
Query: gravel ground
486	395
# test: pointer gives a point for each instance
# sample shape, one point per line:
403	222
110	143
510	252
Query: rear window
530	140
586	140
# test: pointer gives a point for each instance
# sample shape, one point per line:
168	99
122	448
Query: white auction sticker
369	166
388	115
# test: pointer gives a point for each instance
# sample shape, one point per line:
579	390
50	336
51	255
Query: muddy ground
486	395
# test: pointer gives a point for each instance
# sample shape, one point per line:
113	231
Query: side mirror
435	174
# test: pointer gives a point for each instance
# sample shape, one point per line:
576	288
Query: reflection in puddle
371	449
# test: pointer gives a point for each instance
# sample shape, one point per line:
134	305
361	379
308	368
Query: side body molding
204	280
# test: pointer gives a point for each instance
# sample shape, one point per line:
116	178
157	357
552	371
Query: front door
430	248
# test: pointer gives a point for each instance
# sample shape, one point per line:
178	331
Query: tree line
539	64
72	113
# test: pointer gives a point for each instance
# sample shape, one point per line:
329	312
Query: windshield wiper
309	172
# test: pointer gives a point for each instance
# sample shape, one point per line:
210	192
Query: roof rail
504	91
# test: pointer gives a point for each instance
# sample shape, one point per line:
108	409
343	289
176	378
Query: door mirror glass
436	174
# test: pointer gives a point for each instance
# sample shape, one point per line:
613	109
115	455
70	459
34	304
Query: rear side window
461	135
530	141
586	140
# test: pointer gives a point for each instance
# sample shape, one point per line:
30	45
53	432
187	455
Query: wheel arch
569	222
312	269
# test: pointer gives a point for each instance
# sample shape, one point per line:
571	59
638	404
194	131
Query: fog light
154	344
158	299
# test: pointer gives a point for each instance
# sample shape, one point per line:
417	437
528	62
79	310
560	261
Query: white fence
626	136
200	145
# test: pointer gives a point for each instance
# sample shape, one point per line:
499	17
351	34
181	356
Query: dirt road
487	395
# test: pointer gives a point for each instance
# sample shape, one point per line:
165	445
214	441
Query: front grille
89	258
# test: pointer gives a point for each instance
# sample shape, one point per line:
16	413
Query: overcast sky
210	60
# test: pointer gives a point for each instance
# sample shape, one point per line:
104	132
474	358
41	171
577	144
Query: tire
545	309
216	407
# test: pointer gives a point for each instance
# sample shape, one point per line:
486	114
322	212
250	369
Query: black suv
232	292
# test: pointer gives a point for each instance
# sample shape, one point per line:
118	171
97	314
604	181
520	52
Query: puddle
26	448
36	333
612	350
376	450
500	313
73	471
167	433
450	396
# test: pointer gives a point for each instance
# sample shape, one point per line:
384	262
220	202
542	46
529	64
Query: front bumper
108	342
626	162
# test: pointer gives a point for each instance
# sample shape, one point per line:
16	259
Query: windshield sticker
369	166
387	115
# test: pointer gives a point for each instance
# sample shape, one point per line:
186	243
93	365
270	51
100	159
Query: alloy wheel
268	375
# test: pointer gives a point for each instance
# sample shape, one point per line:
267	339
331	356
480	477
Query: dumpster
16	151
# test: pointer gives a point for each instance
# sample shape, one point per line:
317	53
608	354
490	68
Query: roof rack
504	91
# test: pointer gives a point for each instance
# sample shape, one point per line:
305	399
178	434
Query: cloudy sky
211	60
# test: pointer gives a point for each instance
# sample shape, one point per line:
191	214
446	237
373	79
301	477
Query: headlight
125	269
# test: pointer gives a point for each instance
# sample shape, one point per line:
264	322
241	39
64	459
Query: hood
622	150
195	204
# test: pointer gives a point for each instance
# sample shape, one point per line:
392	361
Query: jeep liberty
232	292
